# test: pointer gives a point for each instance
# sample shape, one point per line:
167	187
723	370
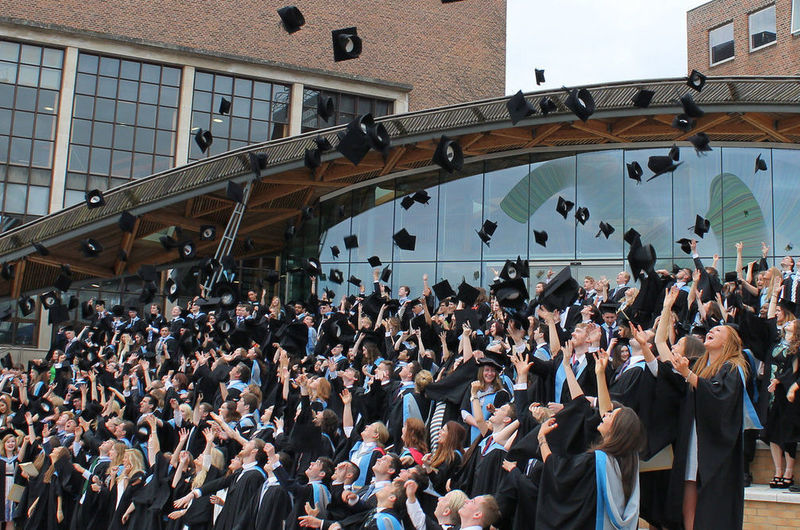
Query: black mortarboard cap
227	293
686	244
323	144
560	291
643	98
224	106
540	236
311	266
547	105
660	164
235	192
635	171
354	281
325	108
6	361
208	233
63	281
351	242
539	76
582	215
787	305
7	271
696	80
257	162
511	270
374	261
346	44
761	164
354	143
187	249
90	247
41	249
203	139
641	258
126	222
511	293
564	206
94	199
404	240
731	276
487	231
493	359
421	197
690	108
443	290
57	314
335	251
312	158
291	18
379	138
608	307
674	153
147	273
26	305
407	202
386	273
605	229
581	103
632	237
118	310
519	108
467	294
701	226
684	123
449	155
463	316
336	276
700	142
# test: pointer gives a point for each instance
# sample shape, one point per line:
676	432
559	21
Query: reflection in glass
648	206
747	201
420	220
548	180
698	191
460	214
599	190
507	203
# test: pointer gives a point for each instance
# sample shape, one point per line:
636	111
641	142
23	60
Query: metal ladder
229	237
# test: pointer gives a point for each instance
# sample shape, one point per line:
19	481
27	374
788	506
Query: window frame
794	21
710	47
750	28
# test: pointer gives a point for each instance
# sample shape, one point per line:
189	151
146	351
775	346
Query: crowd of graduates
585	405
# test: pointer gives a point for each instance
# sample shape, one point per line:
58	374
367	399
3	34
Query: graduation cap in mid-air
404	240
346	44
547	105
690	108
94	199
41	249
540	236
539	74
511	293
560	291
336	276
449	155
325	107
582	215
564	206
701	226
224	106
660	164
696	80
581	103
487	231
642	98
203	139
235	192
686	244
335	251
291	18
467	293
761	164
674	153
700	142
26	305
635	171
351	242
374	261
684	123
519	108
312	159
605	229
126	221
443	290
90	248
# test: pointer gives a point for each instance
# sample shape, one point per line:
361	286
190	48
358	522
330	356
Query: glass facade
30	82
259	112
346	107
520	195
124	121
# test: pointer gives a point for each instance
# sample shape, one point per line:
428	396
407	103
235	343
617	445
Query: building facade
745	37
96	94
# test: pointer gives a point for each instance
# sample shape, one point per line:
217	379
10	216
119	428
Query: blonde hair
382	432
217	461
731	353
136	461
6	438
422	380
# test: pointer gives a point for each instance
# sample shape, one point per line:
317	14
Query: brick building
95	94
745	37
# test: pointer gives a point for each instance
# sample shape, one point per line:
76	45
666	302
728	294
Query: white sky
582	42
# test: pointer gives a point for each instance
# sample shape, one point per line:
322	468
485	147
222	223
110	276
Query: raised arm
773	299
575	389
466	344
603	397
477	410
664	324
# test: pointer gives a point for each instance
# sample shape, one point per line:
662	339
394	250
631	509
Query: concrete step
767	509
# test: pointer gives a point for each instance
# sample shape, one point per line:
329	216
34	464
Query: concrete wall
780	58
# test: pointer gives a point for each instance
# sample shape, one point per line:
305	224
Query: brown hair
794	344
447	447
625	439
58	454
496	384
414	436
731	353
693	347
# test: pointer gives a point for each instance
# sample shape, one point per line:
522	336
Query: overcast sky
582	42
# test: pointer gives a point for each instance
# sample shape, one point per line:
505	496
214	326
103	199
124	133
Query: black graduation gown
151	498
517	495
568	493
716	404
135	483
548	369
61	486
783	417
200	514
93	512
276	505
242	489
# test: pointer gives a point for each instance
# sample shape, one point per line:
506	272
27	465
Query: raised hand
600	362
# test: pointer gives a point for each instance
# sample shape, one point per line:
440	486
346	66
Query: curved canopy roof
739	109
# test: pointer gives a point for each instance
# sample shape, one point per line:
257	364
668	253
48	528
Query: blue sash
387	521
750	417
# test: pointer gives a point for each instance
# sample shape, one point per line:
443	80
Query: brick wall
781	58
450	53
770	515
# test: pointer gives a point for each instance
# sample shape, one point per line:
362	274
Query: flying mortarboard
511	270
519	108
386	273
486	231
374	261
312	159
354	144
686	244
700	142
208	233
540	236
325	107
605	229
674	153
564	206
449	155
539	76
26	305
257	162
701	226
224	106
407	202
335	251
346	44
203	139
582	215
696	80
690	108
63	281
511	293
94	199
235	192
311	266
49	299
90	248
41	249
761	164
404	240
354	281
323	144
660	164
632	237
291	18
643	98
641	258
635	171
581	103
684	123
351	242
467	294
336	276
560	291
126	221
547	105
422	197
443	290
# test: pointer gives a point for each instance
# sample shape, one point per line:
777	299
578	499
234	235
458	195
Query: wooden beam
167	218
391	162
516	133
16	282
543	134
83	268
704	124
309	183
246	228
624	124
467	142
764	125
187	210
598	129
126	245
787	124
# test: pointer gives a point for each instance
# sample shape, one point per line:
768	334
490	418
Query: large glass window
648	205
259	112
762	28
548	181
795	16
30	82
697	190
460	214
785	168
507	203
124	122
346	107
720	43
600	191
